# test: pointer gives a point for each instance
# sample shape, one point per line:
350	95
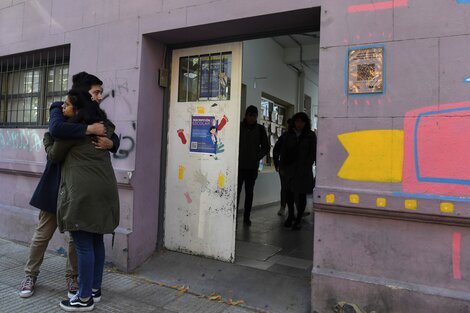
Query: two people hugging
88	201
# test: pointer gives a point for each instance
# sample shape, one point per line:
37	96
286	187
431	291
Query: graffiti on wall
21	139
117	89
381	5
127	145
374	155
436	150
429	157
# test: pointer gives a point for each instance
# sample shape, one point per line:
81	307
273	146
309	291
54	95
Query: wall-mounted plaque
366	70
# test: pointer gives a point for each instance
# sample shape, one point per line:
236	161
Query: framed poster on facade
366	70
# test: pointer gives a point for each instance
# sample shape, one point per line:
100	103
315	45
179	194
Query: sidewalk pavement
125	293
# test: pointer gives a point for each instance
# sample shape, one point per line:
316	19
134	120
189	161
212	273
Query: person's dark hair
252	110
89	111
84	80
303	117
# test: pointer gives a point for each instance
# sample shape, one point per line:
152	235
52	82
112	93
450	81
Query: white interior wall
311	89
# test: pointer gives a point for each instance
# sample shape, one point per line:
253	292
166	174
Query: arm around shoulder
60	128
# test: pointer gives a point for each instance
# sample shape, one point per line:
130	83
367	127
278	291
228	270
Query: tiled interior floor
268	245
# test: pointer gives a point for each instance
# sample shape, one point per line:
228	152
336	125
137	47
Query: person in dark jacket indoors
253	147
277	159
45	195
297	157
88	202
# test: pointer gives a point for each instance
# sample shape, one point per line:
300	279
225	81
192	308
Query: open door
203	135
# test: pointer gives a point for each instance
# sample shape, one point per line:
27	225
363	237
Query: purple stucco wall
107	39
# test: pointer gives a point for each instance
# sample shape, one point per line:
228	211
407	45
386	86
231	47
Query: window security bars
29	83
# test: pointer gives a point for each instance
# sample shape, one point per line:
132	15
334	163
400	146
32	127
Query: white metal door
203	135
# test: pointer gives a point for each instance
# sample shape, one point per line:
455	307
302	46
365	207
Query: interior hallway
269	246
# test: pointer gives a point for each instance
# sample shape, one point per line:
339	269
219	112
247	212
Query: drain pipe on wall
299	107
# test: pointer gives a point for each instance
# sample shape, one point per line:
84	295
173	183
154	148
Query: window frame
19	66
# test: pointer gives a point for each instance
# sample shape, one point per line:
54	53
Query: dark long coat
297	157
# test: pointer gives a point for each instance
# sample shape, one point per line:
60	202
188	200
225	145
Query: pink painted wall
425	67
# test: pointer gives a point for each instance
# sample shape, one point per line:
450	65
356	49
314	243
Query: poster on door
203	134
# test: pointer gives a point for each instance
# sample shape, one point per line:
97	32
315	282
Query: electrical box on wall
163	77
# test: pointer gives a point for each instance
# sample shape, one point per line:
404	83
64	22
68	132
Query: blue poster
203	134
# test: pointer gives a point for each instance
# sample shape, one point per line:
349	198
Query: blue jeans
90	253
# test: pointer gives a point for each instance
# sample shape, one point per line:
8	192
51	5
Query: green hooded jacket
88	195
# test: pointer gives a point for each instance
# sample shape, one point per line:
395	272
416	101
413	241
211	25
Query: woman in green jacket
88	203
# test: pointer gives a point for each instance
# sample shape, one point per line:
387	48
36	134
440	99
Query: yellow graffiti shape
200	109
446	207
221	180
181	172
381	202
411	204
374	156
330	198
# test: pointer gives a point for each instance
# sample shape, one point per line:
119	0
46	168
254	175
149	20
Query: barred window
29	83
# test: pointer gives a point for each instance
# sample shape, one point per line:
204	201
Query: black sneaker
96	295
288	223
297	225
77	305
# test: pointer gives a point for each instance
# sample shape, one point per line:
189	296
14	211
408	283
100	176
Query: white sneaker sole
26	295
76	309
70	295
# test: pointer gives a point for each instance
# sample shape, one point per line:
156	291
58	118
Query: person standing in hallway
254	146
298	154
277	161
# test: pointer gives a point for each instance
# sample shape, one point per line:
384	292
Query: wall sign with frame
366	70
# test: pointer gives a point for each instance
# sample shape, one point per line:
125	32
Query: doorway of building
280	78
191	221
203	151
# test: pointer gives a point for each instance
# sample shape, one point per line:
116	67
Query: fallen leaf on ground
215	297
235	302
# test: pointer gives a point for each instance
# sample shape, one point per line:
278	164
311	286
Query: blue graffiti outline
435	197
346	72
463	1
467	79
415	150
